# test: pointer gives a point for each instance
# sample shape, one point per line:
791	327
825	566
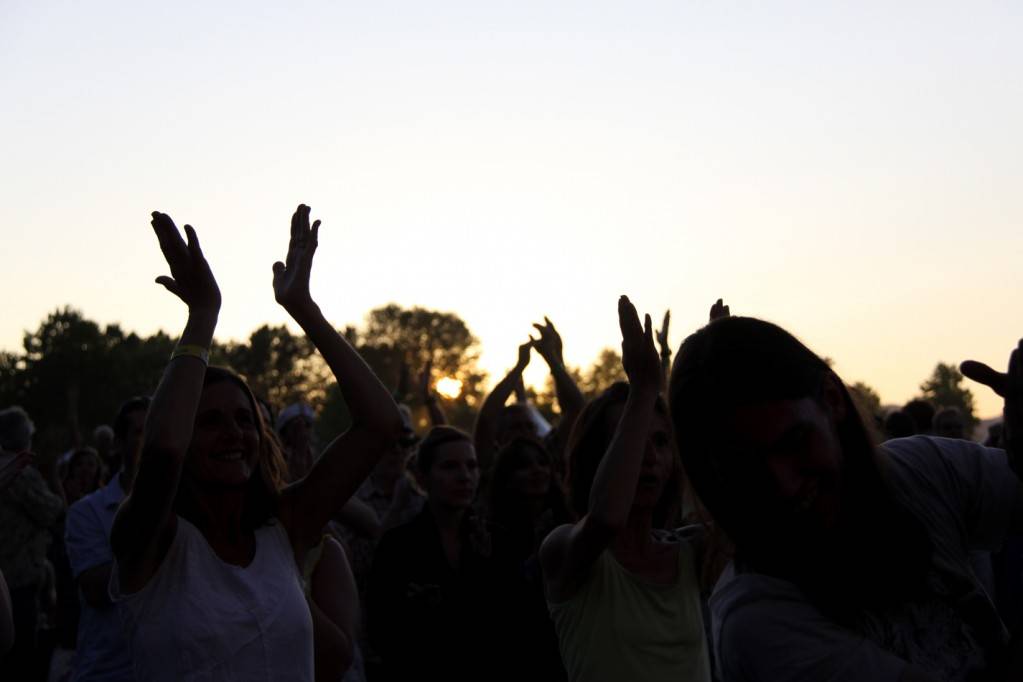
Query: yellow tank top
620	627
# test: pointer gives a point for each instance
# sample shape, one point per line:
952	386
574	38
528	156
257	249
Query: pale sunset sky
849	170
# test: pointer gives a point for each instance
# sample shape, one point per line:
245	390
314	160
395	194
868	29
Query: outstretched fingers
628	319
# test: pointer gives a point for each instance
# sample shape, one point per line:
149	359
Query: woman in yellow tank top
625	601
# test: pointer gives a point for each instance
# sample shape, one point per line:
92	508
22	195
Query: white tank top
201	619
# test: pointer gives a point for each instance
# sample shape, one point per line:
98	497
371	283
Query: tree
867	399
73	375
279	366
605	370
944	389
393	336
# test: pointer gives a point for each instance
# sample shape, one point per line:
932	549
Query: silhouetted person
852	560
625	600
433	599
898	424
922	413
28	510
209	545
102	651
949	423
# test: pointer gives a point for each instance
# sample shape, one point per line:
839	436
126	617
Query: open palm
291	278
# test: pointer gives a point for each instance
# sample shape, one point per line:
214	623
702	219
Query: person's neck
448	519
535	506
635	538
220	515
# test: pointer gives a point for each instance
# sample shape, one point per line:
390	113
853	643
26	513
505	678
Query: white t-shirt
203	620
765	629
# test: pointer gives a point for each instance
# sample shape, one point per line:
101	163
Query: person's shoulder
940	462
82	512
929	451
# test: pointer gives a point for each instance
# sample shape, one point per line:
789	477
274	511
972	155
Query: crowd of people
732	515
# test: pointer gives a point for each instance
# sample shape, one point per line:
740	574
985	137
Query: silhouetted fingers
170	285
295	223
193	242
628	319
167	234
1014	380
983	374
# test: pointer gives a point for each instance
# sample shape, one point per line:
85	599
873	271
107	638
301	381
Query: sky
848	170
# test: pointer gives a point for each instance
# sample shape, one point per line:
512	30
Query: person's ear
833	397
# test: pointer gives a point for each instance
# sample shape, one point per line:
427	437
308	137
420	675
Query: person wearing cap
295	429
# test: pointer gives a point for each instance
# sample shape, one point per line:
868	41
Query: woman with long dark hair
851	559
209	544
625	599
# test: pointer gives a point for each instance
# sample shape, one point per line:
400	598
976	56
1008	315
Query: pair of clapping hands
192	280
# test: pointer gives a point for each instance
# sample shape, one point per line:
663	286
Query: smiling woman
209	544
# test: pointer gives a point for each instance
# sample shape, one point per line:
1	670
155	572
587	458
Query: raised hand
524	350
1009	385
426	380
291	278
549	344
191	279
639	356
719	310
662	335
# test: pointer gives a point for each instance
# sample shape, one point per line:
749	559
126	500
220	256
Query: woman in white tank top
208	543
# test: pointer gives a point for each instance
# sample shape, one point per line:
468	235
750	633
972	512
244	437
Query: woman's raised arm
145	524
309	504
570	550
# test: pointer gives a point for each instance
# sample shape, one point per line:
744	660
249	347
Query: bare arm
570	398
145	524
662	343
570	551
309	504
360	517
485	432
437	416
334	605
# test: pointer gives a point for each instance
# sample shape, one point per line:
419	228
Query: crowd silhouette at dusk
729	511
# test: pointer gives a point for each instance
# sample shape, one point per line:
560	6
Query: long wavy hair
262	491
589	441
505	507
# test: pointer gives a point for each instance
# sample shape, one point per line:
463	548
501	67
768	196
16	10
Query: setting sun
449	387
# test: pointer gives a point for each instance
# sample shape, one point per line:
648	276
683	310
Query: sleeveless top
201	619
619	626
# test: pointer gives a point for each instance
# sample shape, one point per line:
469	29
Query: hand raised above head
426	379
191	279
639	356
662	334
291	278
1009	385
719	310
524	355
549	344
